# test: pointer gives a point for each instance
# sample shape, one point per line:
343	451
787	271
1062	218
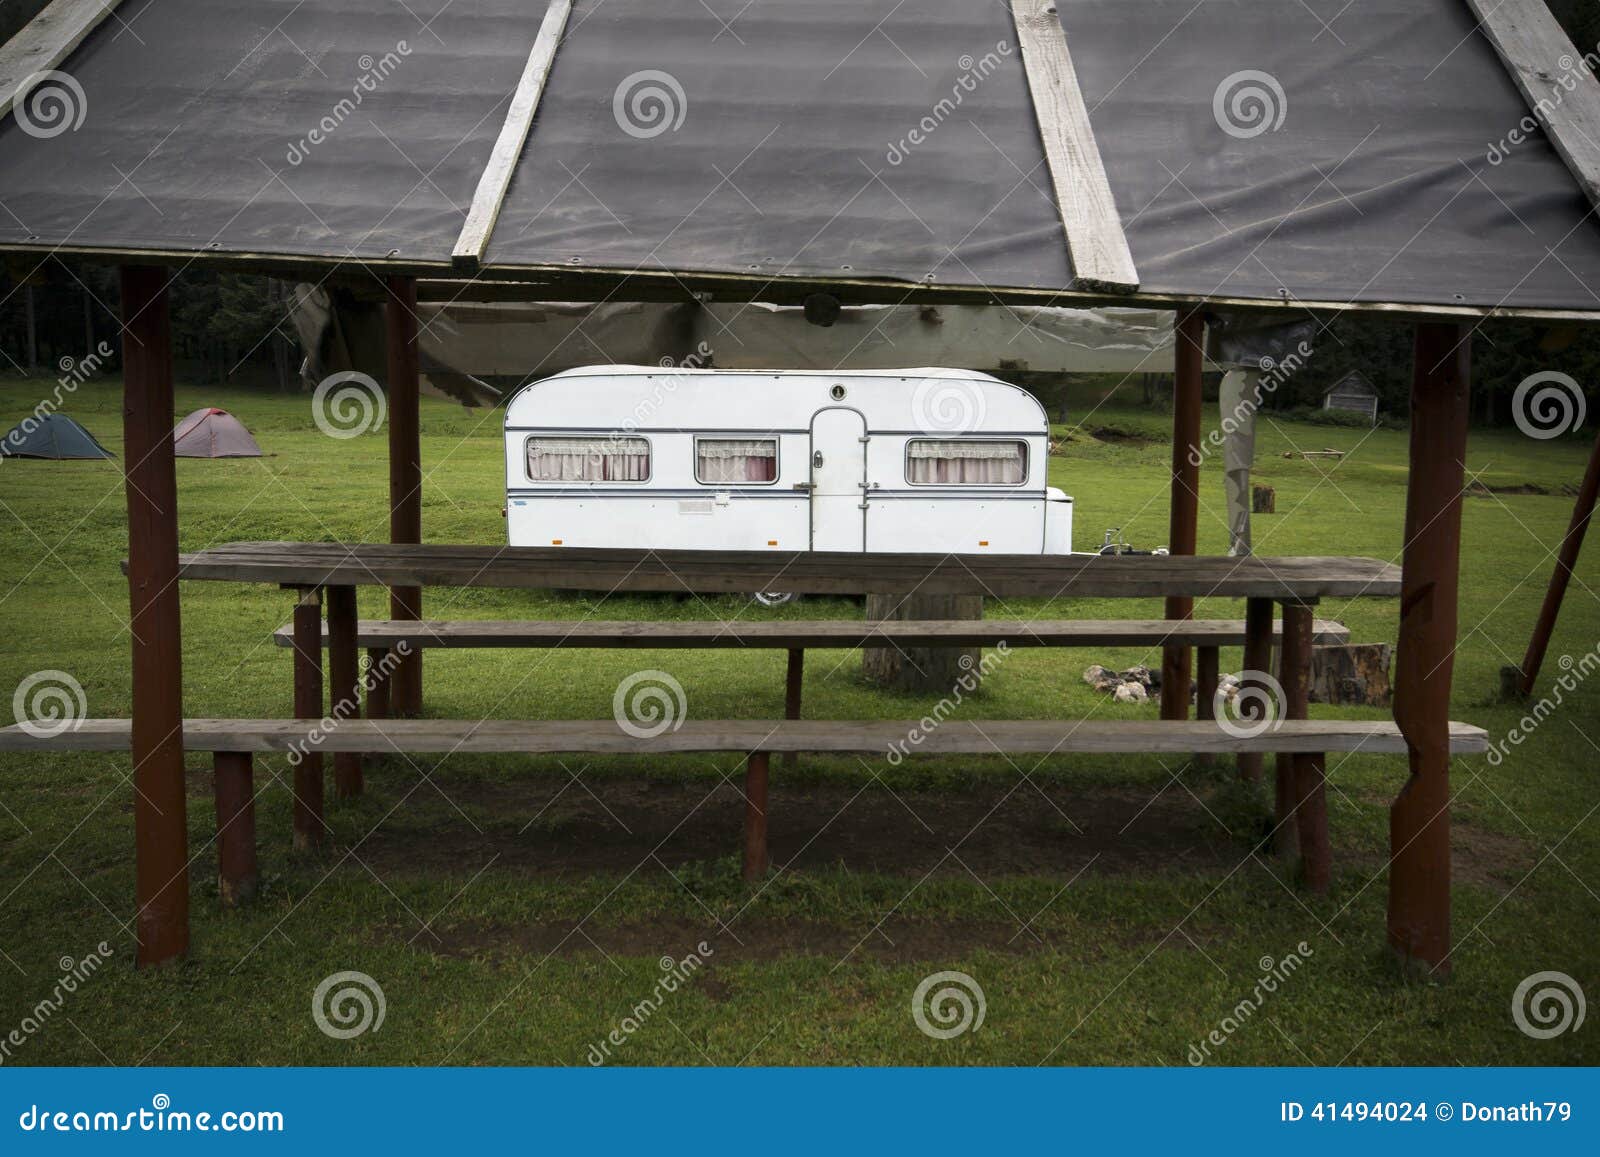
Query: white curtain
588	459
986	463
736	459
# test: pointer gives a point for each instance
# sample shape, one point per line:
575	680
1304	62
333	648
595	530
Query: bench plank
809	634
803	572
866	737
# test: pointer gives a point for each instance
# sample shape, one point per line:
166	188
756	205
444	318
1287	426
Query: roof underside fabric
818	139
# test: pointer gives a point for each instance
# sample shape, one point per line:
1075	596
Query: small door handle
816	460
802	486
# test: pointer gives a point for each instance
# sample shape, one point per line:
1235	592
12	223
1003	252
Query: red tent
213	433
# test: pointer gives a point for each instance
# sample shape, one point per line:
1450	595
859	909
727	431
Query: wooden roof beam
46	41
1532	46
1096	243
497	174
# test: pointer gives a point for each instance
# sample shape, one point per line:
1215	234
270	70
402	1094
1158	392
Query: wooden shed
1354	393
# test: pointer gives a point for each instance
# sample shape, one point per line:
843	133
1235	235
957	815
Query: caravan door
838	479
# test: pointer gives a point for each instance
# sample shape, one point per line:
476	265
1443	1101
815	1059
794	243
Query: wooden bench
797	636
234	743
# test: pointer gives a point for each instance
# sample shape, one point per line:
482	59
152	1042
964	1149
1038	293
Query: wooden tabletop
710	572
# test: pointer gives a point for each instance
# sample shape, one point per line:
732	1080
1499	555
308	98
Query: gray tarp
795	153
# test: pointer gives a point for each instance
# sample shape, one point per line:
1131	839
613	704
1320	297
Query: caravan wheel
775	598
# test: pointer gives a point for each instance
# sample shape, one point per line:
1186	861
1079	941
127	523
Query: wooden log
755	816
344	683
1263	500
908	668
234	775
308	823
160	803
1419	820
1351	674
1183	528
405	477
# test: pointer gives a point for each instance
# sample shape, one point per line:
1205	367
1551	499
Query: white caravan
926	461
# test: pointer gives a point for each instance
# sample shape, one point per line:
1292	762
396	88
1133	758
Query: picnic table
330	571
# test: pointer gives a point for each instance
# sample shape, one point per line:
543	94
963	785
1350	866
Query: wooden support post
160	804
308	823
755	816
1300	776
1183	530
344	682
1257	658
1294	673
1208	672
1419	820
377	684
793	681
405	477
234	773
1566	559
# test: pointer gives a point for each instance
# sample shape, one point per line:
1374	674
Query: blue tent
52	436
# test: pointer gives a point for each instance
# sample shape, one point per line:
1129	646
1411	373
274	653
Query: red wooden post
793	681
755	816
1257	657
344	674
405	477
308	824
1419	820
160	806
234	773
1566	559
1183	532
1305	782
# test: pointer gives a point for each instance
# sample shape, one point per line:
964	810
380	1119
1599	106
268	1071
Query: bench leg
755	816
235	790
1257	656
1207	669
344	675
1311	814
793	680
308	825
1295	674
377	684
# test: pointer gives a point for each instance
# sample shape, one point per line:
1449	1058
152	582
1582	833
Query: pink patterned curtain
736	459
971	463
588	459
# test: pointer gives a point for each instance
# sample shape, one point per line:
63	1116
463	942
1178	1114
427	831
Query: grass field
1112	910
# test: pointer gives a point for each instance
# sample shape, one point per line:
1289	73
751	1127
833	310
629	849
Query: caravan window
588	460
736	460
968	462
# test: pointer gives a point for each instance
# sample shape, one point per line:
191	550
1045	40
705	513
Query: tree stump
1263	500
1351	675
920	668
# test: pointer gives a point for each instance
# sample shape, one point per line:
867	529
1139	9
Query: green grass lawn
1112	910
